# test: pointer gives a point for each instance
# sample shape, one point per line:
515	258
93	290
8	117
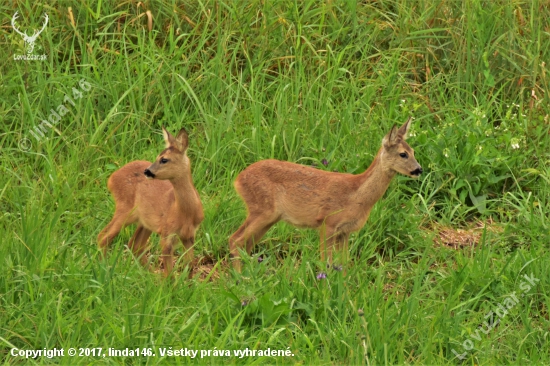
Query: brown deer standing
160	197
335	203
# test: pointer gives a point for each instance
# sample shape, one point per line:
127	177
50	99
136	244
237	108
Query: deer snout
149	174
417	171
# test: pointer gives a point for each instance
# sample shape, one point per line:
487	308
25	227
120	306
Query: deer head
397	155
29	40
173	161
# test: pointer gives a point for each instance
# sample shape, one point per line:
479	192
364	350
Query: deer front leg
167	248
330	238
342	244
188	255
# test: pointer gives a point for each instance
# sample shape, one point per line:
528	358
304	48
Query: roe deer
160	197
335	203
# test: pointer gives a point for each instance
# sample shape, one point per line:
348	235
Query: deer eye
403	155
163	161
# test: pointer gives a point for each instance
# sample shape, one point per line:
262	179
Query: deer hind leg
138	243
111	231
235	243
250	232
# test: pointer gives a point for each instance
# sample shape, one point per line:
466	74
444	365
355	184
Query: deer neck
184	193
374	182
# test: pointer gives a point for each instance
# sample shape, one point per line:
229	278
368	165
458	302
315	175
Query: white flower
515	143
479	113
446	152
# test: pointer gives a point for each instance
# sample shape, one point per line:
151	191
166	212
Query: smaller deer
159	197
335	203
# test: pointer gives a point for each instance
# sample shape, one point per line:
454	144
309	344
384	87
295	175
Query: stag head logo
29	40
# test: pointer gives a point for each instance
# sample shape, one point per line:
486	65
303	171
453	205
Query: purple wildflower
324	162
321	276
260	259
244	303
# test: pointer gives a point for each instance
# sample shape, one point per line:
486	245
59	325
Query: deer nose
417	171
148	173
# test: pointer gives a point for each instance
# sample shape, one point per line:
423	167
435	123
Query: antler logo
29	40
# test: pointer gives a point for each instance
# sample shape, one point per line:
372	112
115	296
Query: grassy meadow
449	269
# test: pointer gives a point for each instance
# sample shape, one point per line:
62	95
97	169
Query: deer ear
183	140
404	130
391	138
168	138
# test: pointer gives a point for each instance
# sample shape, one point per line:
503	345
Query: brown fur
169	204
335	203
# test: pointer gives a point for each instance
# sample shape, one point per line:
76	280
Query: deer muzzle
149	174
417	172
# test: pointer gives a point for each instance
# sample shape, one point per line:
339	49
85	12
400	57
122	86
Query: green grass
300	81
